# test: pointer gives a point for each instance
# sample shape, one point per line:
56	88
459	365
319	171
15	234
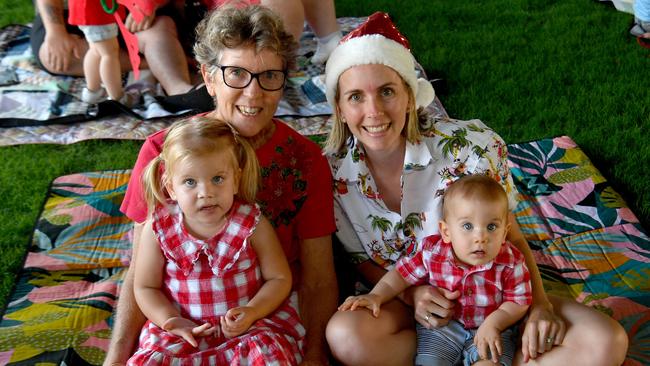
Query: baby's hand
488	338
369	301
237	321
187	329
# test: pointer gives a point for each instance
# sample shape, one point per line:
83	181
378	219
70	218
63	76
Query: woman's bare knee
358	338
593	338
345	337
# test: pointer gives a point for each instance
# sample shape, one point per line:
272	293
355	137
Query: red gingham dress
205	279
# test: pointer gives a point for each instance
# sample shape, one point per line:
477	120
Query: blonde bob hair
194	137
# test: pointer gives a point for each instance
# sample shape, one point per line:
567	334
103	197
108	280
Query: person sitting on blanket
244	55
390	172
205	235
472	258
319	14
59	47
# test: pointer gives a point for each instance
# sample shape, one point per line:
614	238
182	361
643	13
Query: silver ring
549	340
426	318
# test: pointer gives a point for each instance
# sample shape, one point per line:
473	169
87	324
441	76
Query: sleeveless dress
205	279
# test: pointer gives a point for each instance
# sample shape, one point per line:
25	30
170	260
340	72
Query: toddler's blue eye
491	227
217	179
468	226
189	182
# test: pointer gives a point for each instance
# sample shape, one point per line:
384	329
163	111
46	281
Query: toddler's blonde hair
194	137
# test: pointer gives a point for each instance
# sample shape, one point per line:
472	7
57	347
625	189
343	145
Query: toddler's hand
187	329
237	321
488	338
369	301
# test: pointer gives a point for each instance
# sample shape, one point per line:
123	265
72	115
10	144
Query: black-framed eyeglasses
239	78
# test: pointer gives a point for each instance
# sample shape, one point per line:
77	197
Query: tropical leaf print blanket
588	244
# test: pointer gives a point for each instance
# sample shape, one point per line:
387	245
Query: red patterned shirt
483	288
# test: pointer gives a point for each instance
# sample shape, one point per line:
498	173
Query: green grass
529	69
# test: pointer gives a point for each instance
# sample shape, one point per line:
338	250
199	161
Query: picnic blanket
36	107
588	244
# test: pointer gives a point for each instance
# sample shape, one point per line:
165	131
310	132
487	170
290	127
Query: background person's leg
165	57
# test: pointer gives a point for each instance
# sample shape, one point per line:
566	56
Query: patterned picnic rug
588	243
36	97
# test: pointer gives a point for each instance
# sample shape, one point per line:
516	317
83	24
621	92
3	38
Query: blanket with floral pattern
588	243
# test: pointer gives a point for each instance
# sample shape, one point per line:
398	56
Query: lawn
529	69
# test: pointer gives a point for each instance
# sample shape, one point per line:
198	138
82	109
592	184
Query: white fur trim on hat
376	49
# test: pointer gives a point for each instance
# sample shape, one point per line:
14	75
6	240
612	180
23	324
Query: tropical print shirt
450	149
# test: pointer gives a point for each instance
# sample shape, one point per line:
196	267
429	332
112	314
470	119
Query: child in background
101	64
211	276
471	257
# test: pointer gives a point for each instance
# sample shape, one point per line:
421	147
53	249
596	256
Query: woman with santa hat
390	168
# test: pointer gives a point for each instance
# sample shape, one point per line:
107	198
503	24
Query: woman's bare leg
321	16
292	14
358	338
591	339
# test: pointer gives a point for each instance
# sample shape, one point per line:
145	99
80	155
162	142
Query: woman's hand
237	321
134	26
187	329
433	306
542	331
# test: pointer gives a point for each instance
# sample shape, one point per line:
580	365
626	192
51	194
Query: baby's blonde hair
194	137
476	187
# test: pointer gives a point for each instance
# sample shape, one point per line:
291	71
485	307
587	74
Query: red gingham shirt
207	278
483	288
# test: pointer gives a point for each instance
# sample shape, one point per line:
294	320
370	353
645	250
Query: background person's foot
324	47
93	96
640	28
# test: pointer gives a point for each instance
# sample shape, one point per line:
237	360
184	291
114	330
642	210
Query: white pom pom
425	93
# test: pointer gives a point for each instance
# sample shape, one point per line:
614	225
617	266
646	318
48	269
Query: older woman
389	181
244	55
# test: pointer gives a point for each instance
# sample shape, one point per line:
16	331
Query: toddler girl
211	276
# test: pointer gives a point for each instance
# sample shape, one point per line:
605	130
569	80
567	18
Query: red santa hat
376	41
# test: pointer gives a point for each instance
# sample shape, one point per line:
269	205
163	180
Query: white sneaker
93	97
129	99
325	47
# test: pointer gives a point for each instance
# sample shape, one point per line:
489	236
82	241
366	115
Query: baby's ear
444	231
506	231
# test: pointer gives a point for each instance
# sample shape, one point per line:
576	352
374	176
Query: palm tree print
451	145
380	223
